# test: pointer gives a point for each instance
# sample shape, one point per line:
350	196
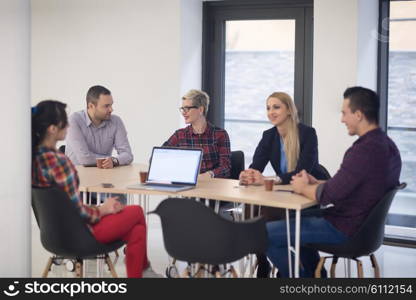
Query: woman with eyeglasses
290	147
108	222
214	141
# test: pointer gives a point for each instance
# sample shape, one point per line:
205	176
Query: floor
393	261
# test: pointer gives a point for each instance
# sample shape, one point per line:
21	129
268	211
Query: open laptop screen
174	165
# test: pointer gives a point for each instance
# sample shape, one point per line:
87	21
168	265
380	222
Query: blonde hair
198	98
291	140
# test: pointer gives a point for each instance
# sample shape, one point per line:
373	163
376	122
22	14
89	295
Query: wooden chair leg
273	272
253	264
186	273
199	271
47	268
375	266
333	266
78	269
233	272
319	267
360	273
110	266
116	252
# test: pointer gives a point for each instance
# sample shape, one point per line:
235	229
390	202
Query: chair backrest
237	163
194	233
323	172
62	149
62	230
371	233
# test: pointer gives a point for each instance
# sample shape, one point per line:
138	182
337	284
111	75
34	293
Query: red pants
128	225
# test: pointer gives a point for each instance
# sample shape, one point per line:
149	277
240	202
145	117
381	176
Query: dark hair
46	113
94	93
364	100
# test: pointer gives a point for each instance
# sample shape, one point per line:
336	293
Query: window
397	87
252	49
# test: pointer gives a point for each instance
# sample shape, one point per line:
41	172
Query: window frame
215	13
382	88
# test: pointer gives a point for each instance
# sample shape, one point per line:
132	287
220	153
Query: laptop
172	170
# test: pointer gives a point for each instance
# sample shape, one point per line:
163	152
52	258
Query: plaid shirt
215	144
52	168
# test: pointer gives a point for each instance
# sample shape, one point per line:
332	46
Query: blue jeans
312	230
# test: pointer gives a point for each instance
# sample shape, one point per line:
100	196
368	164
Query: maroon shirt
370	168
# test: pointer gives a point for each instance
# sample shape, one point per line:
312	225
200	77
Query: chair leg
253	264
78	269
116	252
47	268
348	268
110	266
319	267
186	273
333	266
199	271
375	266
360	273
233	272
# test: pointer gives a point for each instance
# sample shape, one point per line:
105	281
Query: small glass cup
143	176
268	184
100	162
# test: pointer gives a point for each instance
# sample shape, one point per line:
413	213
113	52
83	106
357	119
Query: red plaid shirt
215	144
52	168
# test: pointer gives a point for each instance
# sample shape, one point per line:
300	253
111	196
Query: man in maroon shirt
370	168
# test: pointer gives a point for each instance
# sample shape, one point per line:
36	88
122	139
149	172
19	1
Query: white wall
191	44
139	49
344	55
191	47
367	43
15	137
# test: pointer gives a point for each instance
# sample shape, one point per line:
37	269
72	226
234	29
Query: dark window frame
383	60
213	53
382	89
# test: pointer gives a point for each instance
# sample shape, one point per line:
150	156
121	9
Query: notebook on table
172	170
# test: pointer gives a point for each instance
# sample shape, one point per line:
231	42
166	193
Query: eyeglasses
185	109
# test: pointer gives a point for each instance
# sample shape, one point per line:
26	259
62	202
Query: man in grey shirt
94	133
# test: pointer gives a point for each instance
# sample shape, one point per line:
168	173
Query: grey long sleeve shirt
85	142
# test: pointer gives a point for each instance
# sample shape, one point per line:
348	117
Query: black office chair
62	149
365	242
325	175
194	233
237	163
64	233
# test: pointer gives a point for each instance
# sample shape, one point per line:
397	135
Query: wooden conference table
219	189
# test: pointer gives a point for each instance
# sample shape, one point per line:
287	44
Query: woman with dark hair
108	222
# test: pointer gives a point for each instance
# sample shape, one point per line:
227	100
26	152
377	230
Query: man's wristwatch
115	161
